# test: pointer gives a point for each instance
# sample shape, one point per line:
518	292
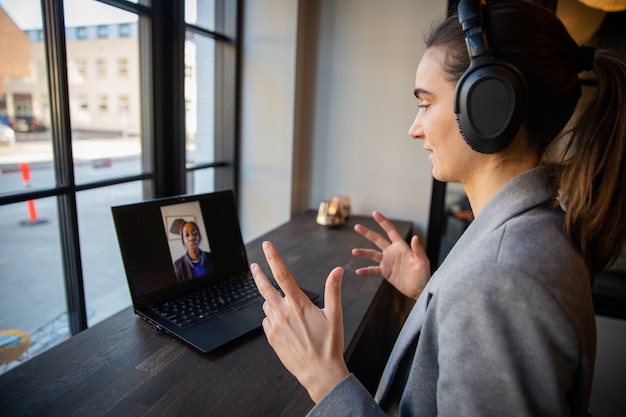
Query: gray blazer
505	327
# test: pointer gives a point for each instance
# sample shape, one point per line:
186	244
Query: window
123	30
103	31
83	102
123	104
101	67
122	67
71	166
104	103
81	33
208	51
81	67
37	35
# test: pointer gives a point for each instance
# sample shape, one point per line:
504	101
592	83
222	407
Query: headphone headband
471	19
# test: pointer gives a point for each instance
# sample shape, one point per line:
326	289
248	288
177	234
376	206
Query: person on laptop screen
195	262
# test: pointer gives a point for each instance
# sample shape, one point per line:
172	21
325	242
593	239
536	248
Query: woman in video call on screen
195	262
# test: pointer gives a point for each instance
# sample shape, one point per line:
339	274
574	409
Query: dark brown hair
589	174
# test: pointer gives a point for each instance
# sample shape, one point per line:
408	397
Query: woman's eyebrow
421	92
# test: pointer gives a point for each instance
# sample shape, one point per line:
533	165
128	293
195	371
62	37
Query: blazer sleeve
348	398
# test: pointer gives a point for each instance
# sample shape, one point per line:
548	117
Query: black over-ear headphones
490	95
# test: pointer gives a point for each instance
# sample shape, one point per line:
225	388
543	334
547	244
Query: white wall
348	128
268	58
368	54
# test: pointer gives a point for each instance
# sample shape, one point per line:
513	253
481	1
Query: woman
506	325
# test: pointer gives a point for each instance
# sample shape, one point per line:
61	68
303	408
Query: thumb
332	297
415	245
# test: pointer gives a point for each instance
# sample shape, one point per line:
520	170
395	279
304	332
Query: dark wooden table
122	367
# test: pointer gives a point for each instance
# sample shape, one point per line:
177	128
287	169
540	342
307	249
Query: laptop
187	268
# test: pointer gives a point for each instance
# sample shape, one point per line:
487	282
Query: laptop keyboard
209	302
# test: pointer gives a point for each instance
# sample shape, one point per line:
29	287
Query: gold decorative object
334	212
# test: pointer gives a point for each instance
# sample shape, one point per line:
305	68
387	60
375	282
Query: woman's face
191	238
452	159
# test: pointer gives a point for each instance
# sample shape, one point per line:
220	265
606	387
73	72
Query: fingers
281	274
377	238
372	236
415	245
332	296
369	270
263	284
387	226
372	254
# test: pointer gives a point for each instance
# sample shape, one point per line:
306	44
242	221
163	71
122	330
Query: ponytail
593	177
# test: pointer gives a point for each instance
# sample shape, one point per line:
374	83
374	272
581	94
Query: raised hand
308	340
406	268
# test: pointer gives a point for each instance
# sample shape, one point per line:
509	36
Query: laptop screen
172	245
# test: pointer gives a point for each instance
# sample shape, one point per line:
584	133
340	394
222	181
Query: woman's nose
416	130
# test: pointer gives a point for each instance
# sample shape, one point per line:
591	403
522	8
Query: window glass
106	136
102	50
25	145
32	298
106	290
201	181
200	98
106	144
200	13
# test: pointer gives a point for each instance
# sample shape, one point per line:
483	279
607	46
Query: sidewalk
35	152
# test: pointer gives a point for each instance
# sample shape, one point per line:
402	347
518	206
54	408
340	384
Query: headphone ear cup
490	105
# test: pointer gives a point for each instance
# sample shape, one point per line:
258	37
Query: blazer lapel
410	331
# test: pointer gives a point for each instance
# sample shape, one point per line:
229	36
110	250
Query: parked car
6	120
25	123
7	135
